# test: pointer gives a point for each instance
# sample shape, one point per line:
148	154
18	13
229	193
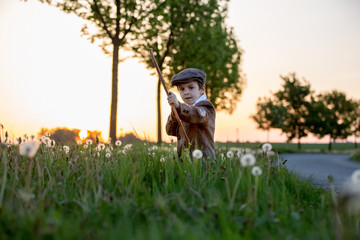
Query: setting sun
83	134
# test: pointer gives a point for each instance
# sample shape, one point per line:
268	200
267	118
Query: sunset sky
50	76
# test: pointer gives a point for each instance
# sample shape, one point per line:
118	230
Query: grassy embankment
147	194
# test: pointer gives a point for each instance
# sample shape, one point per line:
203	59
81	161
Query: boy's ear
203	88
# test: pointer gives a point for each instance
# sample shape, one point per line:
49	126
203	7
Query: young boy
197	114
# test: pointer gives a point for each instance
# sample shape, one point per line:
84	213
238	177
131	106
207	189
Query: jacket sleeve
200	113
172	125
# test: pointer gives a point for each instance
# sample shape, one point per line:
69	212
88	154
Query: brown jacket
199	125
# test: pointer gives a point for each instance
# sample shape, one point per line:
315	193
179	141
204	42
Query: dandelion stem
256	189
2	191
28	177
235	190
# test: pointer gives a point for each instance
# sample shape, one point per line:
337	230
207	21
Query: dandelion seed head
355	177
100	147
351	193
154	148
47	134
128	146
118	143
79	142
247	160
197	154
89	142
108	155
29	149
239	154
230	154
162	159
266	147
175	149
66	149
85	146
256	171
52	143
46	140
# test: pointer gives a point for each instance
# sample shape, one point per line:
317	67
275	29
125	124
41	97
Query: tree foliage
269	114
295	97
333	115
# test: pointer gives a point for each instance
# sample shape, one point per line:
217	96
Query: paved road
318	166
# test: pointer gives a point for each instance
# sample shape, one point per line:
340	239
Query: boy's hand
172	100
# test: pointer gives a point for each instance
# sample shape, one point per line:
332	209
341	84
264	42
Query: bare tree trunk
330	146
299	144
159	140
355	142
114	93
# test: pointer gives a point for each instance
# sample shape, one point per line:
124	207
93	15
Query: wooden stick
167	93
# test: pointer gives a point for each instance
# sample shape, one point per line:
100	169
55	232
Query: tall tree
269	114
334	110
214	49
179	24
295	96
115	21
355	125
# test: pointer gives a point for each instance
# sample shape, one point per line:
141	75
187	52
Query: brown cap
187	75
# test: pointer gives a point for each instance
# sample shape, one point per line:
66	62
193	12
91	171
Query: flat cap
187	75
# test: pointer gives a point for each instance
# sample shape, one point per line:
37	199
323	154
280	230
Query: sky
51	76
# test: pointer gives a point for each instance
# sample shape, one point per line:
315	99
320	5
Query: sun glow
83	134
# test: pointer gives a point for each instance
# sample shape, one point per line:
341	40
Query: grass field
143	192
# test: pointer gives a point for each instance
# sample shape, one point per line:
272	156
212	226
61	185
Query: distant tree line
63	135
297	111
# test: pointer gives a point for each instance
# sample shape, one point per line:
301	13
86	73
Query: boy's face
190	91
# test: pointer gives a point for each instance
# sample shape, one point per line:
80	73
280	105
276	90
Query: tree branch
97	11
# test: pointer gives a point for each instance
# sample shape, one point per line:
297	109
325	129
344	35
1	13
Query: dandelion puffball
79	142
108	155
355	177
89	142
118	143
66	148
256	171
230	154
128	146
197	154
247	160
100	147
29	149
266	147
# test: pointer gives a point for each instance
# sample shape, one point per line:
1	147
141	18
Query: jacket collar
201	98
